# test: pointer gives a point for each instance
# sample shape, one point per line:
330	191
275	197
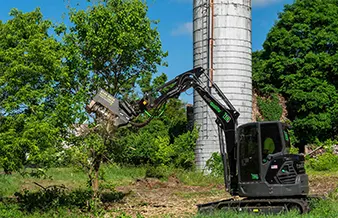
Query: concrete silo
222	44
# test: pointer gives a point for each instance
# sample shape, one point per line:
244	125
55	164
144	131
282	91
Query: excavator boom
123	113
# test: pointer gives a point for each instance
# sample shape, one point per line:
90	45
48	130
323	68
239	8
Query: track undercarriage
260	205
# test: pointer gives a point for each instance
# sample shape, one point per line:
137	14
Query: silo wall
222	45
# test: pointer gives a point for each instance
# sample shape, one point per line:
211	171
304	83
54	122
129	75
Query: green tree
299	59
32	80
120	46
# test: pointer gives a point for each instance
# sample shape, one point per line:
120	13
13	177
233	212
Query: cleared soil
154	198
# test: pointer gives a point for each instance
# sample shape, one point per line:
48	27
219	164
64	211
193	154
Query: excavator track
258	205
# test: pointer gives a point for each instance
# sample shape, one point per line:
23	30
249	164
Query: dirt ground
151	197
154	198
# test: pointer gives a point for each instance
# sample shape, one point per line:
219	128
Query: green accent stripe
146	112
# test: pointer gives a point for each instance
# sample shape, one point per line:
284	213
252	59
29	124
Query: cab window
270	139
249	153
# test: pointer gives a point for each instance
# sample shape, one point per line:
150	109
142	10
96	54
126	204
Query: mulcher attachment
108	108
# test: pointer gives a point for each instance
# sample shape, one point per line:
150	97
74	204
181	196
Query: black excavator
260	179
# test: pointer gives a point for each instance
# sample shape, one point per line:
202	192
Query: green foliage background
299	61
34	106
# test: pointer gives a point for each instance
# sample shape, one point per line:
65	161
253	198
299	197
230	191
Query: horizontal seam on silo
246	112
199	41
229	93
232	56
237	99
200	17
243	106
200	20
244	52
230	53
219	43
231	75
232	15
236	81
235	39
226	62
232	3
236	93
228	15
195	9
243	100
233	27
234	69
199	29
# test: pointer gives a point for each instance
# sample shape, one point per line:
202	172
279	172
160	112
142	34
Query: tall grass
9	184
115	175
12	211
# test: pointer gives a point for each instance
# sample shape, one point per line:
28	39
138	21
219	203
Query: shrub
215	164
154	145
270	107
158	172
52	198
184	149
294	150
326	161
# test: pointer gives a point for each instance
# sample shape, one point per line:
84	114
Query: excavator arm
123	113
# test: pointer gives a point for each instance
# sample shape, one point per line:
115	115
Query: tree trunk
95	178
7	170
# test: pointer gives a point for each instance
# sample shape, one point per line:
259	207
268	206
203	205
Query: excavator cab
265	167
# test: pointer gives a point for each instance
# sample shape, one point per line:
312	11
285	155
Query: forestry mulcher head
109	109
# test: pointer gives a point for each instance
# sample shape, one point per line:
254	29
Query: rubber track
302	203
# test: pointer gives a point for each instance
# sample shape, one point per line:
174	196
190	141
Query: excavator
260	179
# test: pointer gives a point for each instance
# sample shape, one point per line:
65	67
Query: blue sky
175	25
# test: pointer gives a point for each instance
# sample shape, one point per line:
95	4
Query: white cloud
183	29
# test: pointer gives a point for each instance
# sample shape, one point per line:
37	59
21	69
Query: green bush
215	164
184	149
158	172
294	150
166	140
270	107
326	161
52	198
147	145
155	145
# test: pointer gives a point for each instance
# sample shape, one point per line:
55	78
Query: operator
269	146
